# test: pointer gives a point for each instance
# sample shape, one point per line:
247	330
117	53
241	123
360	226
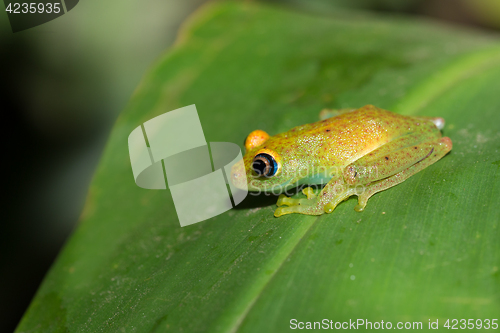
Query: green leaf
424	250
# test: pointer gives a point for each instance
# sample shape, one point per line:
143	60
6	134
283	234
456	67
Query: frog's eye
255	139
265	165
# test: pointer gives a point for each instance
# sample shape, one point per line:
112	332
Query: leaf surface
425	249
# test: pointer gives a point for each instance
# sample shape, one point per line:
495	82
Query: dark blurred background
64	84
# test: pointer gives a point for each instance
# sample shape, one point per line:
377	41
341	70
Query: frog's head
267	165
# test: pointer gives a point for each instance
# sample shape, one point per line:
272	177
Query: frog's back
345	138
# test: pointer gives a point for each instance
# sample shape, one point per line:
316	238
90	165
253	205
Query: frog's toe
362	200
309	193
298	209
360	208
329	207
280	211
283	200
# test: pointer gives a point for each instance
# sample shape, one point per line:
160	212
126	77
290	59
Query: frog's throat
292	183
276	189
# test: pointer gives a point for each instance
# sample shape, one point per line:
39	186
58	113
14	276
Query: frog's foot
330	206
332	194
308	206
283	200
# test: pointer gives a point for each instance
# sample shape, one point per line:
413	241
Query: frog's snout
235	177
238	175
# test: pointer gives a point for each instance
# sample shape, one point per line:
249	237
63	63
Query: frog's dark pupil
264	165
259	166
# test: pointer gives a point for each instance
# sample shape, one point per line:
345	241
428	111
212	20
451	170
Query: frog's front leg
330	196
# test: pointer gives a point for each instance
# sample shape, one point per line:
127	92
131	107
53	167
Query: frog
348	152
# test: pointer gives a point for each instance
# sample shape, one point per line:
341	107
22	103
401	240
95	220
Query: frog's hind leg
437	149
